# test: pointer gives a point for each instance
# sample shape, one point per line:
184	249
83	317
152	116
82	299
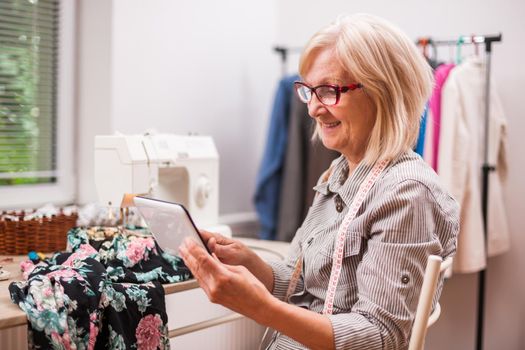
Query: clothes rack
284	53
486	168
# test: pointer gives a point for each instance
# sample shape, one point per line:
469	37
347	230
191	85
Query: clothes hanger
434	58
459	44
476	46
423	42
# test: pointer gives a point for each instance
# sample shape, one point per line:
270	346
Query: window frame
62	191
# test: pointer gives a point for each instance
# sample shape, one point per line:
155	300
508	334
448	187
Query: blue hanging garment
422	128
269	178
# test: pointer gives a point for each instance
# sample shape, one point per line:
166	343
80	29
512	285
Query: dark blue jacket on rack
269	178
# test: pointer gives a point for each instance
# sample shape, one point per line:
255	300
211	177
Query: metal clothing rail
486	168
466	39
284	53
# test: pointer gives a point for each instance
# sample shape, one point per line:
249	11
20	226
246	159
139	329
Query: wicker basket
47	234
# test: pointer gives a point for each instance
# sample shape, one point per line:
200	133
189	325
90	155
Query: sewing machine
175	168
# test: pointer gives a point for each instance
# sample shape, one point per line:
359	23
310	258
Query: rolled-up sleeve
410	223
283	270
281	278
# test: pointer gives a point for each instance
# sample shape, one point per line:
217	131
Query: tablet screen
170	223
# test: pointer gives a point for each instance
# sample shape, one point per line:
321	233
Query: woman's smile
330	125
330	132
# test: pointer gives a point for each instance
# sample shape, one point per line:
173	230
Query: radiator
195	323
237	334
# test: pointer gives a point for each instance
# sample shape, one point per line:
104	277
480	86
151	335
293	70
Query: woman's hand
233	252
231	286
237	289
229	251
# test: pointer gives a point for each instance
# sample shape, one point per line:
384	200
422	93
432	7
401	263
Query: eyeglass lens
326	94
305	94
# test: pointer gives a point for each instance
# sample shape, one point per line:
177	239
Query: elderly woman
356	265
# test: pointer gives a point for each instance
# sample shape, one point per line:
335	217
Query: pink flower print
66	274
66	340
83	252
93	330
148	332
26	267
48	292
56	337
136	250
149	242
63	340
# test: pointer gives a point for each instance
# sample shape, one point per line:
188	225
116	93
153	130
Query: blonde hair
394	74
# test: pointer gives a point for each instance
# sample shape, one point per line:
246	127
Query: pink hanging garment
440	76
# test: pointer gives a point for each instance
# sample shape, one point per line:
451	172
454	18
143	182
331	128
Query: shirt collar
328	186
339	183
349	189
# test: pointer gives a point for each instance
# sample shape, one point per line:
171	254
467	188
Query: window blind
28	86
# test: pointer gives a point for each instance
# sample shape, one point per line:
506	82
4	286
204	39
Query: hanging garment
428	148
440	76
268	184
461	156
305	161
105	294
420	144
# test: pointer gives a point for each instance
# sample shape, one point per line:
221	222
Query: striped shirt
405	217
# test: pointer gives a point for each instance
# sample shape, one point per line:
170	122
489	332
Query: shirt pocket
351	257
352	246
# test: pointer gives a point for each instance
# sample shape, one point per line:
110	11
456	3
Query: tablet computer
170	223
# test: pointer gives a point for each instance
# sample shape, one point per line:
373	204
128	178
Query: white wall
93	89
184	67
505	307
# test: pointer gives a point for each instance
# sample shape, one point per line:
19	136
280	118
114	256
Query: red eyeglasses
327	94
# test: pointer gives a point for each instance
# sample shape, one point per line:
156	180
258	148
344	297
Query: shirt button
405	279
338	204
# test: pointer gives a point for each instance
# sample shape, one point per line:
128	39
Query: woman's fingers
207	235
189	260
198	259
203	266
220	239
231	286
212	244
228	250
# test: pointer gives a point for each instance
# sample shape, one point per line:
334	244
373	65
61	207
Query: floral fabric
105	293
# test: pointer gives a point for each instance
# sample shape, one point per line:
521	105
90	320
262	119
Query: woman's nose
315	107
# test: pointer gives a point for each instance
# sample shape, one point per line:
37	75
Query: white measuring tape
337	260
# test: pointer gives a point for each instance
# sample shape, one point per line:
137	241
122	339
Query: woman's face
346	126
